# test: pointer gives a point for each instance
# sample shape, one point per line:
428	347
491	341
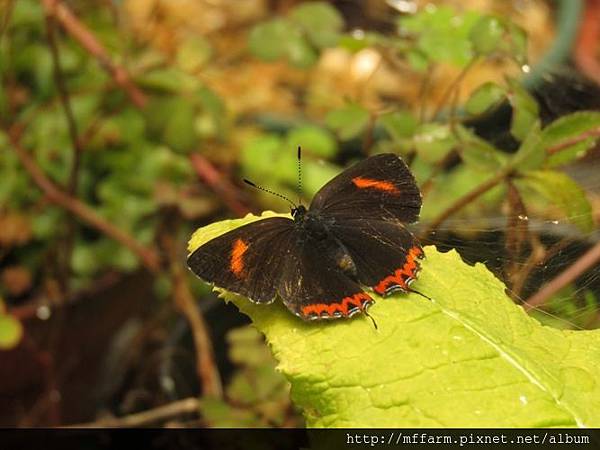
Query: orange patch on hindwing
403	275
236	263
358	301
379	185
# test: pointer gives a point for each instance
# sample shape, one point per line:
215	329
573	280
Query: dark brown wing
313	286
246	260
380	187
386	255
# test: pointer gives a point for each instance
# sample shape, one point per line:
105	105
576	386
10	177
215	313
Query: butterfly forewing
246	260
380	187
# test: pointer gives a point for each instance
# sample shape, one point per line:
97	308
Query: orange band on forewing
358	300
368	183
237	262
401	275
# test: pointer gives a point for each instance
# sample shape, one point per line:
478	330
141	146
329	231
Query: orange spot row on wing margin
402	274
357	300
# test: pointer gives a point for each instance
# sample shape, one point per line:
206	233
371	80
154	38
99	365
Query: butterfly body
318	261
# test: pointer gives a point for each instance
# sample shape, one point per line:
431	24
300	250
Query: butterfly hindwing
313	286
386	256
380	187
246	260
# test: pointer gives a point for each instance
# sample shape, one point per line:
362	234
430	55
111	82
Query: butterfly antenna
371	317
269	191
299	175
420	293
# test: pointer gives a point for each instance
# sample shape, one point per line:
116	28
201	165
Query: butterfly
320	260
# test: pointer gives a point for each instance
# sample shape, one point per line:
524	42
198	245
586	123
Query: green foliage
484	98
131	157
566	132
477	152
468	358
274	157
256	395
525	110
320	21
399	125
433	141
578	307
314	140
349	121
298	38
441	34
495	36
11	330
560	190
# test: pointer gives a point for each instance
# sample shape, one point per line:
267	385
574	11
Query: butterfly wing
246	260
385	255
378	187
314	286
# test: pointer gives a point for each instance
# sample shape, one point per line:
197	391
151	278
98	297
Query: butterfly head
298	213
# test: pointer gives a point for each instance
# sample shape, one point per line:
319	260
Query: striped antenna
269	191
299	175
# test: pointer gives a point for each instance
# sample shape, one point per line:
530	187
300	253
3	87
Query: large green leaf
469	358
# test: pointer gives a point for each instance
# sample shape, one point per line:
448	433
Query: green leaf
261	155
348	122
564	132
484	98
486	35
441	34
281	38
172	119
299	52
525	110
314	140
417	60
455	183
360	40
398	124
433	141
560	190
531	154
321	22
11	332
477	152
268	40
468	358
193	53
315	175
516	47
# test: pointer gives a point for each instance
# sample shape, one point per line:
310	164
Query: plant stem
218	183
147	256
466	199
86	38
157	415
184	301
455	83
584	263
